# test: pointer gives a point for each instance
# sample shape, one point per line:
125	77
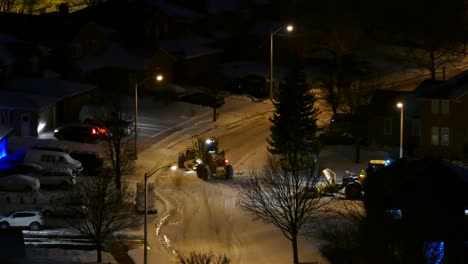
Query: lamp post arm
158	169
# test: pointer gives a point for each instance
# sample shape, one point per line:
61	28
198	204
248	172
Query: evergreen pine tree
294	127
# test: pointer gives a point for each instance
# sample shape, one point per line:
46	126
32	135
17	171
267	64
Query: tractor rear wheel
181	160
229	172
353	191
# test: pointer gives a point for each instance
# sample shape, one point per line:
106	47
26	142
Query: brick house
444	121
385	117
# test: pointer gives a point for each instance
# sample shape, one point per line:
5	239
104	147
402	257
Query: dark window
48	158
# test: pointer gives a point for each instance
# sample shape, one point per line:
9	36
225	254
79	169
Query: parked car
33	220
19	182
90	160
53	159
59	177
21	168
60	148
63	207
80	133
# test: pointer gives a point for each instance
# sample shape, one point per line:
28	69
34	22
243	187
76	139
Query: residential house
22	112
192	53
118	69
64	38
385	118
68	98
444	121
20	57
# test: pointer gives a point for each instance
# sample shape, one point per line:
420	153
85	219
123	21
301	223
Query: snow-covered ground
194	215
203	216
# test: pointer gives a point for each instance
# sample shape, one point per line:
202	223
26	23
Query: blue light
387	162
434	252
3	147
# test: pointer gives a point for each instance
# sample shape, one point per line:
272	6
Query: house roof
25	101
114	56
49	87
5	131
384	102
189	47
451	89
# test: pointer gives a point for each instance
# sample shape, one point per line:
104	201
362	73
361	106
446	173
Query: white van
53	159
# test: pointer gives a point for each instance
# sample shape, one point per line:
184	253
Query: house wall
68	109
16	117
199	70
454	120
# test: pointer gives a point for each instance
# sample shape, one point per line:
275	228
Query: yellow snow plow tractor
352	182
206	159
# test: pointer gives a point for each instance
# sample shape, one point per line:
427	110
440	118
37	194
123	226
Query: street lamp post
400	105
159	78
145	238
288	28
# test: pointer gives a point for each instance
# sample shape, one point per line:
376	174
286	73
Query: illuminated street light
400	105
289	28
159	78
145	239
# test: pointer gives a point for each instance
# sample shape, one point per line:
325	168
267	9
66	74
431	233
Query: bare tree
117	122
119	146
283	194
434	55
101	209
19	6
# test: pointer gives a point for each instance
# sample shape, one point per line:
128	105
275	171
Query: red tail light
102	130
93	131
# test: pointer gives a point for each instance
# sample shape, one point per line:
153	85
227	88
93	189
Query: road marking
151	125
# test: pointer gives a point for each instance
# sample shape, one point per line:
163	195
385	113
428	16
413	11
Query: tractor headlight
209	141
198	161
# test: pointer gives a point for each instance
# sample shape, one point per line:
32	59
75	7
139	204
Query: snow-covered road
202	216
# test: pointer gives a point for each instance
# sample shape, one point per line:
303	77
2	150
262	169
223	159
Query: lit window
387	126
435	106
440	136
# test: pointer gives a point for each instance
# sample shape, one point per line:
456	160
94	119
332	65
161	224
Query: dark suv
80	133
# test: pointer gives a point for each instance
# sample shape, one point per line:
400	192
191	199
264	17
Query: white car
30	219
19	182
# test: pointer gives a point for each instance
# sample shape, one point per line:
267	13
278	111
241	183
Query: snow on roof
114	56
189	47
174	10
25	101
4	131
49	87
